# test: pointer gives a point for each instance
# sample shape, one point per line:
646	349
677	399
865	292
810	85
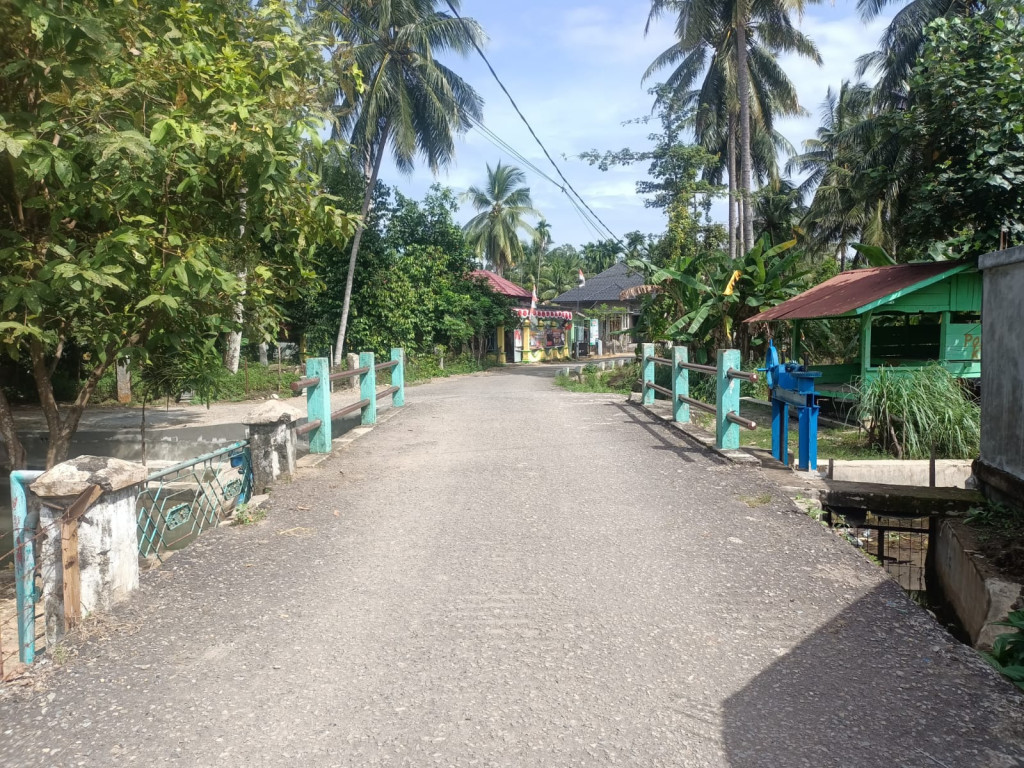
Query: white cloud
575	69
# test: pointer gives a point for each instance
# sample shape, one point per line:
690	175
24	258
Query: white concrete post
272	442
108	546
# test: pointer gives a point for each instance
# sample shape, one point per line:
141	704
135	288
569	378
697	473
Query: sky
576	69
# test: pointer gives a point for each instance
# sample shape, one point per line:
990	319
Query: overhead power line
533	133
589	218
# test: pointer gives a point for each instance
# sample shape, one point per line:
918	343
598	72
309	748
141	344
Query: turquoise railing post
680	384
647	366
368	387
727	434
398	378
318	404
24	564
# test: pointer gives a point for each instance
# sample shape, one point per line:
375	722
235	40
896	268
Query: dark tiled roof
850	291
604	287
501	285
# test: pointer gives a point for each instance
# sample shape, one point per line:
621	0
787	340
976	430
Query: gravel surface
506	574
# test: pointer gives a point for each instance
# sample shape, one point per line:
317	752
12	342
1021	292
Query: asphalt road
506	574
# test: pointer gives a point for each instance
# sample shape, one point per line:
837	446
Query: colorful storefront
541	335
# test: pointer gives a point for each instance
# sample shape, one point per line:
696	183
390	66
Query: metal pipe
732	373
709	369
735	418
659	360
348	374
698	404
385	392
663	390
198	460
350	408
308	427
24	562
387	365
301	384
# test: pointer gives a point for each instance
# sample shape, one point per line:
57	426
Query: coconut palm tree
411	102
560	272
846	207
541	243
503	205
734	45
902	41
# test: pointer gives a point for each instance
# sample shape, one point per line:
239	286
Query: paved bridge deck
507	574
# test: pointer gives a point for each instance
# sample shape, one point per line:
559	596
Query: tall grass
908	412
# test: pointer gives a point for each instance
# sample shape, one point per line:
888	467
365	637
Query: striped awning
543	313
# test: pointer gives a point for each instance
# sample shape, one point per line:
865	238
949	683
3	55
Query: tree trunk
373	169
233	347
61	429
264	359
743	86
733	249
842	257
9	432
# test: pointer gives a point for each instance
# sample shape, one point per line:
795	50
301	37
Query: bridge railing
318	394
727	375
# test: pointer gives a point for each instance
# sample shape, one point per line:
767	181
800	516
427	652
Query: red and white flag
582	279
533	302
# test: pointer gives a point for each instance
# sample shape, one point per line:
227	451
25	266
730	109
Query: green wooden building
910	315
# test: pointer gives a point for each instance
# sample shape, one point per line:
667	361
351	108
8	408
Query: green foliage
1008	649
412	285
688	302
246	515
909	412
968	119
502	208
157	169
424	367
620	380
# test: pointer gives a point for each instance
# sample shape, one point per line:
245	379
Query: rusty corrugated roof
850	291
501	285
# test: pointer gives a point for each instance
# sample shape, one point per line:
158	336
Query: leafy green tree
967	119
411	102
503	206
149	155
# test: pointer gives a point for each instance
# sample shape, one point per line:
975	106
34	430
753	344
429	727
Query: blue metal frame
792	384
25	523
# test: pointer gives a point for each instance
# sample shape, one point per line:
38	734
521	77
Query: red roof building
500	285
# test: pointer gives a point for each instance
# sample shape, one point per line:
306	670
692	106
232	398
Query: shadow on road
872	688
675	441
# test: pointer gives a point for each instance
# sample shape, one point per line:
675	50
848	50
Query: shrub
906	413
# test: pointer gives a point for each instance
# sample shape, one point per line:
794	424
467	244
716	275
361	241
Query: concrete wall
949	473
1001	465
978	601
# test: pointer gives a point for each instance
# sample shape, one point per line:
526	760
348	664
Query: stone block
72	478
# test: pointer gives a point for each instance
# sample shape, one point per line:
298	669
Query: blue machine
792	384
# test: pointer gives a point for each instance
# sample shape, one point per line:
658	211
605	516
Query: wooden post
318	404
69	555
680	384
398	378
727	434
865	347
368	387
647	366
